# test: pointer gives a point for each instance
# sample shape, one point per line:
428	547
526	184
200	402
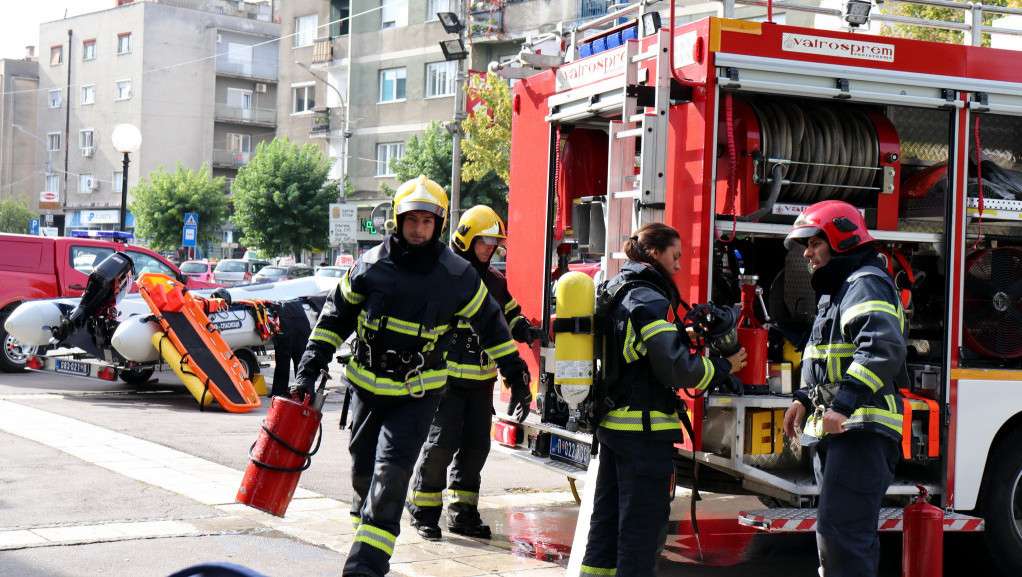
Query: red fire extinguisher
283	450
753	337
923	539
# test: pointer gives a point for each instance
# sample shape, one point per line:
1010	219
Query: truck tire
12	357
248	358
1000	502
136	375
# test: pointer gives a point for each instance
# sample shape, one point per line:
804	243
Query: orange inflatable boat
194	348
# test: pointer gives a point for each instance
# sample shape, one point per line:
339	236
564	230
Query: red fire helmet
839	221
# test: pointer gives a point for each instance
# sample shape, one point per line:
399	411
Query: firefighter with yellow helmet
401	299
461	429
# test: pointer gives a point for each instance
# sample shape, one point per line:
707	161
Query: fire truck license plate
73	367
569	451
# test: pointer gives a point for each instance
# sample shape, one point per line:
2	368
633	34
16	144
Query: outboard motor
108	283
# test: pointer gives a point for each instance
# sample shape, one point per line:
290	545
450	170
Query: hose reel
821	151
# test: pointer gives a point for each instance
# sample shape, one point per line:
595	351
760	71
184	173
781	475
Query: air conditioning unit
260	87
91	183
87	151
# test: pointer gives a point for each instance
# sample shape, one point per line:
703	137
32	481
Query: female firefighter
401	298
633	484
852	369
461	428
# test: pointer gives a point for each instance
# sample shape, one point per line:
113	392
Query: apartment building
19	174
198	78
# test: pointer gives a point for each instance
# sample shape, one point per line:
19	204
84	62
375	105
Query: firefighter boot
477	530
429	532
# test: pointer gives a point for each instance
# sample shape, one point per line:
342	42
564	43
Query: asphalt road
43	487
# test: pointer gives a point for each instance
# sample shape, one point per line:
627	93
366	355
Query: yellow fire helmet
420	193
479	222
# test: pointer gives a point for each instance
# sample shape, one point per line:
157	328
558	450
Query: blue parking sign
189	235
33	226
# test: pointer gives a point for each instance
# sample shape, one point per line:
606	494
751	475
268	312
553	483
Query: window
52	183
56	55
303	98
86	183
148	263
340	12
85	139
56	98
88	94
124	43
385	152
53	141
394	13
305	30
435	6
89	49
123	90
441	78
392	84
239	142
118	180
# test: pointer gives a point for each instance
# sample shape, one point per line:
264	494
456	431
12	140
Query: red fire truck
726	129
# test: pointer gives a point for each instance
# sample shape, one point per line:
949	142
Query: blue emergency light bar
114	235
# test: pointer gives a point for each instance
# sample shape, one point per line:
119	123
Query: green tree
281	198
15	215
160	201
432	154
940	14
487	142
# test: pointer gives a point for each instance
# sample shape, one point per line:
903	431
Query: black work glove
521	396
302	387
527	333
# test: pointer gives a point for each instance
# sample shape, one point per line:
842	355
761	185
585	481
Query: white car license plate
72	367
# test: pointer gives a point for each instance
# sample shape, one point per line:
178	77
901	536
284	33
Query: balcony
230	158
241	115
323	50
320	122
246	69
486	18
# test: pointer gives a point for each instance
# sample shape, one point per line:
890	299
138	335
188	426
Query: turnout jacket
654	359
858	343
402	305
467	364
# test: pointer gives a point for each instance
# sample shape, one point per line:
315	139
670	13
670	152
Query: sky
20	20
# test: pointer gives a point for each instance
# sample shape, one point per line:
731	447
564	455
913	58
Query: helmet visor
408	206
491	240
799	236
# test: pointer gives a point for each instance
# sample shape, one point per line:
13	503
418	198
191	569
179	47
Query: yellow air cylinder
573	352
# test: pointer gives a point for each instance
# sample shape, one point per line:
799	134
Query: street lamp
127	139
454	50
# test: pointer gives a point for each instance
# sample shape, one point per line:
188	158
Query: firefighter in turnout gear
634	481
852	369
461	428
401	299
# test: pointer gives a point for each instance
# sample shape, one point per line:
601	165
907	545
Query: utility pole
459	115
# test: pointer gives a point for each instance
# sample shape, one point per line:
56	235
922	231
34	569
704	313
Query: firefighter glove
521	396
302	387
525	332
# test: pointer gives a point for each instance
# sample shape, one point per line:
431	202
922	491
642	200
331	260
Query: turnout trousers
460	433
853	470
632	505
386	436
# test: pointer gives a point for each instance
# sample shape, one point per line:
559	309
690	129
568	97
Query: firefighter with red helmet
401	299
634	482
461	428
852	369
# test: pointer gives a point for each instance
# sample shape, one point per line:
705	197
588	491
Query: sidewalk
312	519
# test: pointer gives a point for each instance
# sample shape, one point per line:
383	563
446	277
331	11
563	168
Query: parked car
43	267
282	272
236	271
199	269
334	271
